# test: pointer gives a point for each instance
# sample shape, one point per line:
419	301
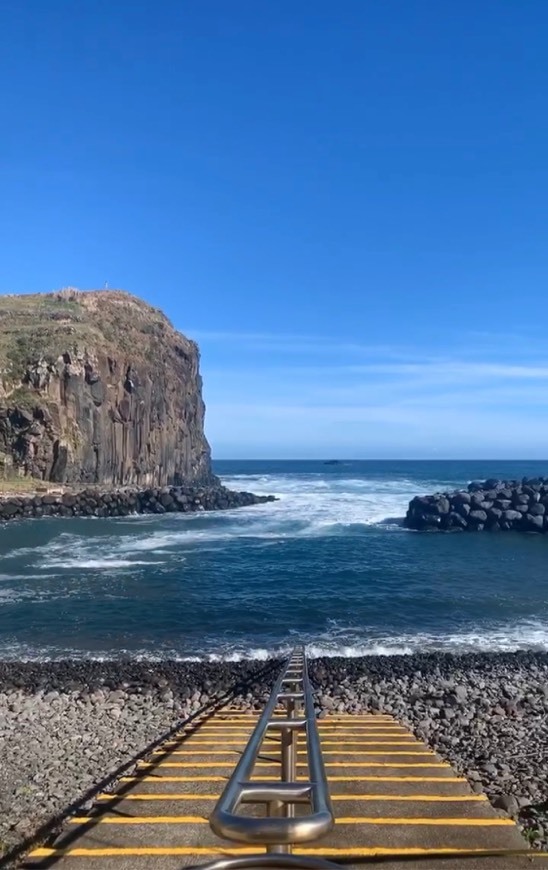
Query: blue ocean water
328	564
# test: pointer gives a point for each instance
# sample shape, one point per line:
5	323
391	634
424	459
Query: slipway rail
279	830
236	790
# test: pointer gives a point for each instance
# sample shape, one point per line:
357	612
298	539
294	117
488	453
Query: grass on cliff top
44	326
34	327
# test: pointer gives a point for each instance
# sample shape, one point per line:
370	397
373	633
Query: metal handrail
279	830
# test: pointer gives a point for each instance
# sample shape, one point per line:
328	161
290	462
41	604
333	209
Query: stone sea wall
491	504
122	502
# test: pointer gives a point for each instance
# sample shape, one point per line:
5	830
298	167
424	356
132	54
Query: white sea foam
525	635
99	564
310	505
319	505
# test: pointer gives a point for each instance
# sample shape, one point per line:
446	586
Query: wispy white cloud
294	343
376	397
476	344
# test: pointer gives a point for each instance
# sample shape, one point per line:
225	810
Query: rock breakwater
122	502
493	505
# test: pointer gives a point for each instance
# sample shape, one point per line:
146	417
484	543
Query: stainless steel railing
279	830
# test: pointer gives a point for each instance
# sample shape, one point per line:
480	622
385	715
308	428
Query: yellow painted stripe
350	851
321	723
338	727
211	732
351	729
195	751
425	753
384	743
157	797
364	732
474	823
207	729
239	743
197	741
382	752
418	798
348	717
252	720
344	820
457	779
139	820
138	851
213	778
218	722
359	719
217	764
302	751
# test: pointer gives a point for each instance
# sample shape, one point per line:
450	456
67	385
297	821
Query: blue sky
346	204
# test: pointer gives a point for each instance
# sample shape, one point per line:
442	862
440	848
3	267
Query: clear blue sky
346	203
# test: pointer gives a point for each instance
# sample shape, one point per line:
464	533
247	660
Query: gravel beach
65	727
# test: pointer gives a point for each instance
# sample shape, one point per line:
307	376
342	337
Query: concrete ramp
397	805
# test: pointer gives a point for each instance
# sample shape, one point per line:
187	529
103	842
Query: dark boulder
493	483
456	521
512	516
475	486
477	517
534	523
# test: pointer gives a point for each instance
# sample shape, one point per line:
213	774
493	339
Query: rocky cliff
98	387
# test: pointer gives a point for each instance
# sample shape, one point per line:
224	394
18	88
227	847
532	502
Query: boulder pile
94	502
491	504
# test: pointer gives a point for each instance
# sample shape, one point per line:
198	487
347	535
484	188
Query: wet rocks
494	505
95	502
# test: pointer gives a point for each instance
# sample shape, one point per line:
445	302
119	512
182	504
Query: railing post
276	808
288	770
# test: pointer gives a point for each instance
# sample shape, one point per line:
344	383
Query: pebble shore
66	726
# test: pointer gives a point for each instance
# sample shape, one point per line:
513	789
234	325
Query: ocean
329	564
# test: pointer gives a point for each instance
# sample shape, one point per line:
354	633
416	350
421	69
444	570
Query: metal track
289	712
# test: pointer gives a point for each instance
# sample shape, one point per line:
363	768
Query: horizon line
372	459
